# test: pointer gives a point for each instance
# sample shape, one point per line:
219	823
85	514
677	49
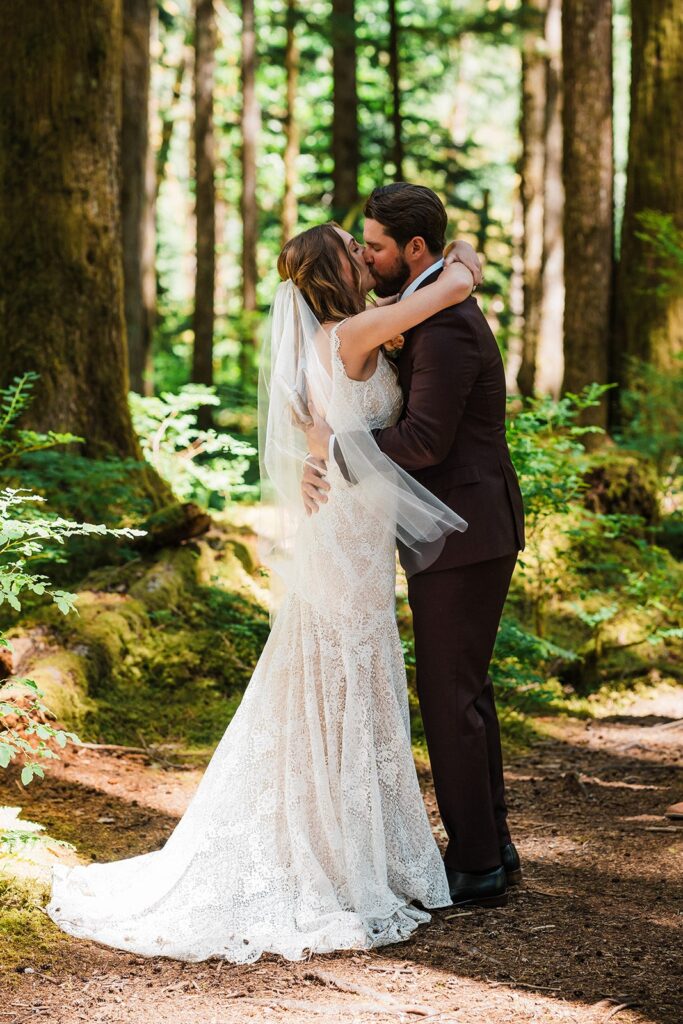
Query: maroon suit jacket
451	434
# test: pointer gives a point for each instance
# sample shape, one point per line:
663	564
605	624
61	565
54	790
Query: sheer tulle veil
297	372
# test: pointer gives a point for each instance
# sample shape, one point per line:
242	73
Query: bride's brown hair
312	260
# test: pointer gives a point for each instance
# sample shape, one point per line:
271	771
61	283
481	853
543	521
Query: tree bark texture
395	76
588	178
532	173
137	191
205	172
61	267
550	351
650	326
345	136
289	202
250	131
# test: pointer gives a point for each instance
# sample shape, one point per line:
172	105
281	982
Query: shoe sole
514	877
484	901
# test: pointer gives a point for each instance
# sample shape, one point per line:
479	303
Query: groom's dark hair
408	211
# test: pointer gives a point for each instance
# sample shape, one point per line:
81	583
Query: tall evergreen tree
532	173
345	135
542	366
289	203
137	191
588	178
205	164
650	320
550	351
395	76
250	132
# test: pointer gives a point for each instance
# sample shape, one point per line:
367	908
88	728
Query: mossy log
172	525
622	483
161	649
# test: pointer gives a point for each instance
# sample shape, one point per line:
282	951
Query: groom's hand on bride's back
462	252
314	486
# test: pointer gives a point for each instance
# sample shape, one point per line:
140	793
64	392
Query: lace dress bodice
377	400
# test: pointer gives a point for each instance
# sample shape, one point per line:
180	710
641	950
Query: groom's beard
392	284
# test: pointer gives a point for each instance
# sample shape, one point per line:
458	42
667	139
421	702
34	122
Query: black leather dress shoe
513	868
486	890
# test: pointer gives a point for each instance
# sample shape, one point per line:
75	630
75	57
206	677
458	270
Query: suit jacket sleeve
446	363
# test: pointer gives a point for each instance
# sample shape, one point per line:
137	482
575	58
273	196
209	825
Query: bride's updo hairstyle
314	261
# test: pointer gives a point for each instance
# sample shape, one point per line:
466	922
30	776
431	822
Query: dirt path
593	936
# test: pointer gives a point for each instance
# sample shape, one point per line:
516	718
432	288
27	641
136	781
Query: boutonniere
392	348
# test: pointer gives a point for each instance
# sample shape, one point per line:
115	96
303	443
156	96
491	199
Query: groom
451	438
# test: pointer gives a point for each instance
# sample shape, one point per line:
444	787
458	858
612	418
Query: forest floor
593	935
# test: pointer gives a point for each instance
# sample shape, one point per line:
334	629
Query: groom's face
385	259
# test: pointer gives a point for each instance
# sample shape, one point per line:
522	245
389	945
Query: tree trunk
289	203
395	77
205	209
587	65
345	138
650	325
250	131
588	177
550	351
61	265
532	188
137	209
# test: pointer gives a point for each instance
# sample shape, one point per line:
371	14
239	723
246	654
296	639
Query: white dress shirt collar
418	280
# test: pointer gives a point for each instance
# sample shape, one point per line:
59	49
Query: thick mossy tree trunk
650	320
61	266
345	137
291	154
532	174
588	179
138	190
205	172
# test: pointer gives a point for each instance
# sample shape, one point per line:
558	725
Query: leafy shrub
24	537
200	465
651	422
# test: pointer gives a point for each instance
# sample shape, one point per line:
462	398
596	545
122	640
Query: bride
307	832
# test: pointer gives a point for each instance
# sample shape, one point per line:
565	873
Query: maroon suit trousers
456	613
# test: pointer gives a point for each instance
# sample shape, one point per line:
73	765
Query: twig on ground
54	981
617	1009
387	1002
544	892
153	753
491	959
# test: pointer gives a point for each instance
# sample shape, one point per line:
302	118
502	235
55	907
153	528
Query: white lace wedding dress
307	832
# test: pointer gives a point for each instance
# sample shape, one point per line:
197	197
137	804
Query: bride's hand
462	252
314	485
458	280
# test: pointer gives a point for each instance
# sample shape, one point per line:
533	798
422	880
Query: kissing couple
308	832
